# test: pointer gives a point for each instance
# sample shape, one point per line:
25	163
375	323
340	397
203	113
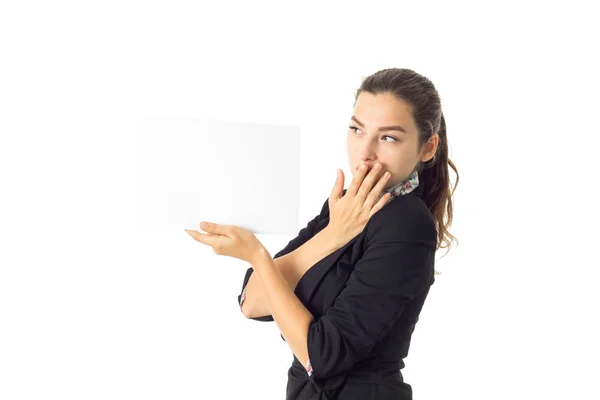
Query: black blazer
365	298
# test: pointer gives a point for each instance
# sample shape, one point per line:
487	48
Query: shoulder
325	209
404	219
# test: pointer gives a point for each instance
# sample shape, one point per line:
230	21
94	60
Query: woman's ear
430	148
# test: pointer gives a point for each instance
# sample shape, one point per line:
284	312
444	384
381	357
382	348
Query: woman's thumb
339	184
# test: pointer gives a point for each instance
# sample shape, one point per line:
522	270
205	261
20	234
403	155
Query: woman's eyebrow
383	128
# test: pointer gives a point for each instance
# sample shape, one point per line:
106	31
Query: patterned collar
402	188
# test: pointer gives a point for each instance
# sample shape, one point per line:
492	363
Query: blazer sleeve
397	264
304	235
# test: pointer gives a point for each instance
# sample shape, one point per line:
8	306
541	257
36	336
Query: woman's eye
386	136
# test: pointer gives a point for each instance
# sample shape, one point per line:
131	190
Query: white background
93	307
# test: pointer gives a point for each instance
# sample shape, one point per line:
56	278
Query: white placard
238	173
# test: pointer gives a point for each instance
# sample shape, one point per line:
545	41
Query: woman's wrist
333	238
260	255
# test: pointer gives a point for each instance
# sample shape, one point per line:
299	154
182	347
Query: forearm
290	315
315	249
292	266
255	303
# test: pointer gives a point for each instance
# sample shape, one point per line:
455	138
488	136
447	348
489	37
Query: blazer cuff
243	296
309	369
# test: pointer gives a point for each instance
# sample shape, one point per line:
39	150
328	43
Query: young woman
347	292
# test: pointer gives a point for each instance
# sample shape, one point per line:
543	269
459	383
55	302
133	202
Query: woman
347	292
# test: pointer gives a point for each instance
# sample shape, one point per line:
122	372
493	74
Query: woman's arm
291	316
292	267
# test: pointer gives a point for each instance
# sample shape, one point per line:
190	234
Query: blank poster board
226	172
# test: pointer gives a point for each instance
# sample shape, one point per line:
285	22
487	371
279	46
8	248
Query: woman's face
370	141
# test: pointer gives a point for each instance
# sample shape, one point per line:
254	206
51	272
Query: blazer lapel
309	282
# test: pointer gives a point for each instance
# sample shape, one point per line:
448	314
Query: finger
215	229
378	188
203	238
367	184
338	187
382	202
357	180
376	191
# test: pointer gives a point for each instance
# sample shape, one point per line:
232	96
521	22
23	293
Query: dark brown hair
424	101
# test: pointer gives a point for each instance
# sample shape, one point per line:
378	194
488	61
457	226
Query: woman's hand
229	240
349	214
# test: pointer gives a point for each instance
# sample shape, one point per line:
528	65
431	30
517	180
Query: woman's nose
368	149
368	156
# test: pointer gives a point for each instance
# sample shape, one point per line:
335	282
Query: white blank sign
226	172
